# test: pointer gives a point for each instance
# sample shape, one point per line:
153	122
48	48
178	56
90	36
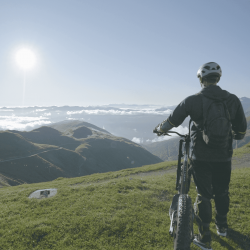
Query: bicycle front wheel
184	227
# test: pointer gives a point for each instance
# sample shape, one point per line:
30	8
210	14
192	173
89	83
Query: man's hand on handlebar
159	132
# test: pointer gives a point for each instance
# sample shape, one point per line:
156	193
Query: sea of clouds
135	122
120	112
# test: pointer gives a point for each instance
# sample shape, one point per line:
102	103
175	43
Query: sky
98	52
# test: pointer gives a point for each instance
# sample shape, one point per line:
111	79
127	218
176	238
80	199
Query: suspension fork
180	155
185	170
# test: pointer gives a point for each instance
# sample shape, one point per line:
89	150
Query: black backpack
217	126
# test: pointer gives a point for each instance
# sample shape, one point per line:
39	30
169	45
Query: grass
115	210
239	152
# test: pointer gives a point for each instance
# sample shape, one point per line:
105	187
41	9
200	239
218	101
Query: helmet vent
207	67
218	67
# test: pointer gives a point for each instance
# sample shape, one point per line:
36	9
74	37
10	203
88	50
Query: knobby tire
184	227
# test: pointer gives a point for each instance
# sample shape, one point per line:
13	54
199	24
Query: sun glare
25	58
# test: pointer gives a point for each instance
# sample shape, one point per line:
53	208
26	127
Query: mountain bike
181	211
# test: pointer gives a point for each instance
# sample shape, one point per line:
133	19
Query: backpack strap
206	107
227	112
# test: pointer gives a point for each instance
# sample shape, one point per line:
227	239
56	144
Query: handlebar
159	133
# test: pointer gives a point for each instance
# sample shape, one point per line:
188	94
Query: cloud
22	123
137	140
7	110
120	112
40	110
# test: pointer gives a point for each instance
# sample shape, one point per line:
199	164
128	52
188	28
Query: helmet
209	69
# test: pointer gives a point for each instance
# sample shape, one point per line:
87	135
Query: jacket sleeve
181	112
165	126
239	124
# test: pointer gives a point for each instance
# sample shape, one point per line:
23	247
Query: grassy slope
102	211
240	152
66	156
14	145
51	136
166	150
114	153
68	126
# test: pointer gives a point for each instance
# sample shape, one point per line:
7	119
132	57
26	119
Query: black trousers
212	181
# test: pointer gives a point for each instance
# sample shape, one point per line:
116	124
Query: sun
25	58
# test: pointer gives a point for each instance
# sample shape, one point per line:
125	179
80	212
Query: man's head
209	74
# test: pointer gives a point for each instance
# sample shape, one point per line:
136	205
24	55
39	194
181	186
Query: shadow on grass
241	240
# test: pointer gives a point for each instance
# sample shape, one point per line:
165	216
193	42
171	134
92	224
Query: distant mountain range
65	149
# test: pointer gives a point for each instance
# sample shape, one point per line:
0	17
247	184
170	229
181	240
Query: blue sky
94	52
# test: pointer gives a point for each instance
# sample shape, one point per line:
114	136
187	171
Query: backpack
217	126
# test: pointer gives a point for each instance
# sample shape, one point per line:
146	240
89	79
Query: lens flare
25	58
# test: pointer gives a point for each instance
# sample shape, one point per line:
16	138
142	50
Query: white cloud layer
22	123
40	110
137	140
120	112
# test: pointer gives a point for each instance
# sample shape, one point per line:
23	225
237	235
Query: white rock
43	193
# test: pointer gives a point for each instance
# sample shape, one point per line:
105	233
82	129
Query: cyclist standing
218	118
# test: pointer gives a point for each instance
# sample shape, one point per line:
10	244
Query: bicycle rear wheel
184	228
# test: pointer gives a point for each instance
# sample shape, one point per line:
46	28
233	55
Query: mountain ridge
45	153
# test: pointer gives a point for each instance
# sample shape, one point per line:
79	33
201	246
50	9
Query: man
218	118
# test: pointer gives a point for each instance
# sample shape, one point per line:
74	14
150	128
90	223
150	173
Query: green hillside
50	136
166	150
127	209
67	127
45	154
241	156
122	153
14	145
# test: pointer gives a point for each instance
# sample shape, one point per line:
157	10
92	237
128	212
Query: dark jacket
192	106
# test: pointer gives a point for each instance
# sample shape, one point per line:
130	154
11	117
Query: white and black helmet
209	69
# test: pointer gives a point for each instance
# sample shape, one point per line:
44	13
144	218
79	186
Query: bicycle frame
183	170
181	204
182	184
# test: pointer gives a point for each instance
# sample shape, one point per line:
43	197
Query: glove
165	126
